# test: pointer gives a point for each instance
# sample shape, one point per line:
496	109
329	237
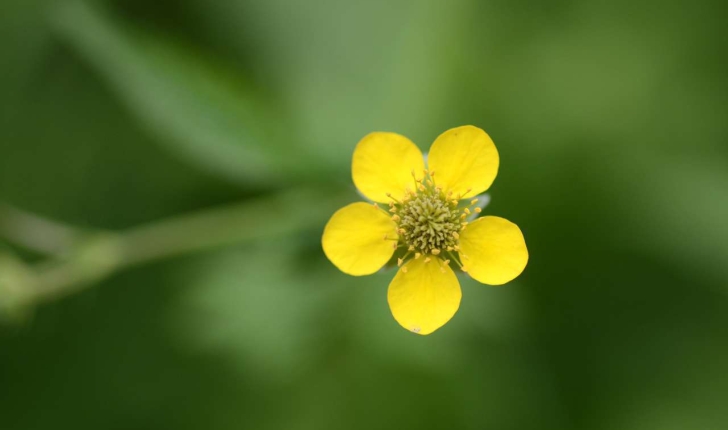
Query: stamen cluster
429	221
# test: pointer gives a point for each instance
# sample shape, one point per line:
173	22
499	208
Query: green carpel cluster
428	222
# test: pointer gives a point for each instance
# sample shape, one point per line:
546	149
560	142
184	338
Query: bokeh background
119	116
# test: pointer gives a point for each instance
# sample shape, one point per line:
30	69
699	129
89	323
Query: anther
446	262
435	251
467	211
417	255
478	210
404	269
427	259
399	262
394	245
395	218
411	248
455	235
474	201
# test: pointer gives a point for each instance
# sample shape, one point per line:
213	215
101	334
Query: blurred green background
610	120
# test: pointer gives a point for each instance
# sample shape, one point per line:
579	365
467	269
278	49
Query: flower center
429	221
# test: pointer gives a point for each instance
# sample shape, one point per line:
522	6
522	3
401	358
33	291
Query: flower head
422	214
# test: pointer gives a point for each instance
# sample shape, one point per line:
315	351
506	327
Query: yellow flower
422	214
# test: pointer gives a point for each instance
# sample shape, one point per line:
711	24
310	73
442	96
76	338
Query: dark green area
610	120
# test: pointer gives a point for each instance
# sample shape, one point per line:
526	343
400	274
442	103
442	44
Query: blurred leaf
348	68
198	109
71	152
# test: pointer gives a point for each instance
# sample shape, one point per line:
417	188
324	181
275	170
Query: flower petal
464	158
493	250
354	239
425	297
383	163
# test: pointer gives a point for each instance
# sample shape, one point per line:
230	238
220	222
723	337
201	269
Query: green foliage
199	109
126	116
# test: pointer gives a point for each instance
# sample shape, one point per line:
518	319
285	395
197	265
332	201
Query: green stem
34	232
99	255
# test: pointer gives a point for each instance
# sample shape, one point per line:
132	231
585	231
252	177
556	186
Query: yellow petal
424	296
354	239
464	158
493	250
383	163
